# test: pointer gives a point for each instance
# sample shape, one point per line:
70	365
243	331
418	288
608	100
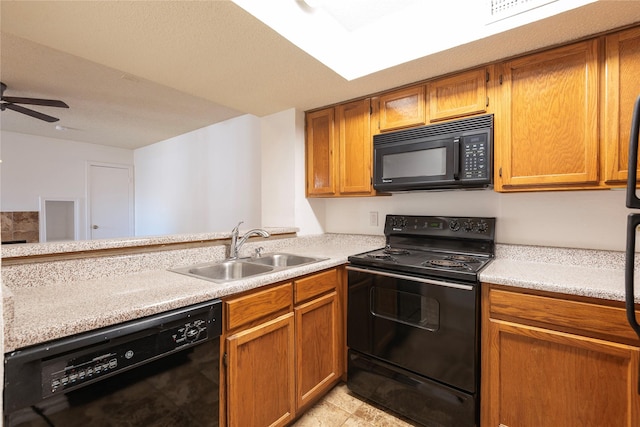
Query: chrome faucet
237	244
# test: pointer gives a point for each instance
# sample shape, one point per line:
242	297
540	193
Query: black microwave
456	154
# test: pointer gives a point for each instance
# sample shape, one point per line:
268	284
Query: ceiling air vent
501	9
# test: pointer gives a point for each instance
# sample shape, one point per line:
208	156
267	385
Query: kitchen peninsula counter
37	311
47	300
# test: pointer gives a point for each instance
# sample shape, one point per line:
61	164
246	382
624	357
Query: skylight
359	37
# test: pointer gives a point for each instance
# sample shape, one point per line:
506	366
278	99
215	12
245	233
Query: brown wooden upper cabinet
622	87
562	119
321	153
339	151
401	108
461	95
547	124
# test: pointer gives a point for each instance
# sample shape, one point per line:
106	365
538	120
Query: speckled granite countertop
583	272
46	301
45	312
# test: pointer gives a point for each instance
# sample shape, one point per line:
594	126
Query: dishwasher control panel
83	366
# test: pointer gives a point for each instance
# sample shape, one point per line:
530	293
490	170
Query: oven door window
411	309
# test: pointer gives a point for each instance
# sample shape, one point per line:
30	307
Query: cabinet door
548	124
320	152
540	377
356	147
260	374
402	108
460	95
622	89
317	348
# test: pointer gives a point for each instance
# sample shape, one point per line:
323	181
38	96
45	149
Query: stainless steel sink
235	269
225	271
284	260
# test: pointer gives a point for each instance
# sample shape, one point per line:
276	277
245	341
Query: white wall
278	142
581	219
283	175
35	166
202	181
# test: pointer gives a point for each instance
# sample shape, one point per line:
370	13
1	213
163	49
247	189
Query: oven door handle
412	278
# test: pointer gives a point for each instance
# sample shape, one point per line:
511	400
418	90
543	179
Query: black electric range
413	318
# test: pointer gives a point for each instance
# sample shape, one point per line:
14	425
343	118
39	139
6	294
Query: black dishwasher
161	370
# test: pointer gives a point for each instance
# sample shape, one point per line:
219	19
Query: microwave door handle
633	220
632	200
456	159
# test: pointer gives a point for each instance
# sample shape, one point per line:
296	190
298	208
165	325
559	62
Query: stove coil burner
446	263
395	251
461	258
380	256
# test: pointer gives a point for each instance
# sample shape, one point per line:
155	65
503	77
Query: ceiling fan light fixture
12	103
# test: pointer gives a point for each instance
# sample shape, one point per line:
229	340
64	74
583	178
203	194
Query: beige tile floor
340	407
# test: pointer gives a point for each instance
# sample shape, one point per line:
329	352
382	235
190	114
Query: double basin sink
235	269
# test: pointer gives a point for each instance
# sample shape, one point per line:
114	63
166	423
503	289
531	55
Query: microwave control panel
475	157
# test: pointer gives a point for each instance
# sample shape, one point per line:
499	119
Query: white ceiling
138	72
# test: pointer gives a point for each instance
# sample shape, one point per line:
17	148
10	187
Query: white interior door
110	201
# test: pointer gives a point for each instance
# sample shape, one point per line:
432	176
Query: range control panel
71	371
440	226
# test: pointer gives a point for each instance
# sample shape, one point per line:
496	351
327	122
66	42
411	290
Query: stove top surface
440	247
430	262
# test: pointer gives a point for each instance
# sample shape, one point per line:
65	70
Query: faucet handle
258	252
236	228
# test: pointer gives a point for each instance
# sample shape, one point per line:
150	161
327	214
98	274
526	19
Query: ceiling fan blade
35	101
29	112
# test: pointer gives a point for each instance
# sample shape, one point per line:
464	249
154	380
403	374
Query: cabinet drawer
317	284
579	317
245	309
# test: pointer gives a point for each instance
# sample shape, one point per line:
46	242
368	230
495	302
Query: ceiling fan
9	102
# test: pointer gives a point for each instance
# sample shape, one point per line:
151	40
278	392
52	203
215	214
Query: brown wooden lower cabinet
317	349
547	362
260	374
282	350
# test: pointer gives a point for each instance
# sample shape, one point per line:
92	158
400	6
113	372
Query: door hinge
371	110
224	359
487	77
500	79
